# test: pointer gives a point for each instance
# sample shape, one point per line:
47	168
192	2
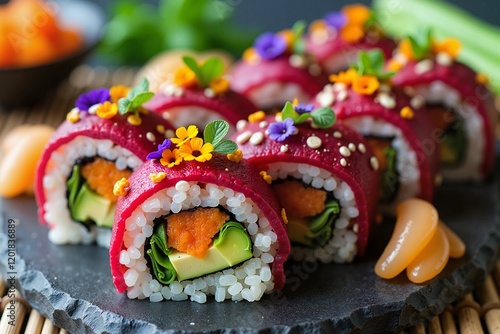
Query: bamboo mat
477	312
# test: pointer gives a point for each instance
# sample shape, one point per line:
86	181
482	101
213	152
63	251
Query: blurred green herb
138	31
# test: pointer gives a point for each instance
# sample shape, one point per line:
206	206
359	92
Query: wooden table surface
477	312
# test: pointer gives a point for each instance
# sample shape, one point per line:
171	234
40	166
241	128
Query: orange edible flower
194	149
345	77
451	46
117	92
352	33
184	77
236	156
365	84
219	86
170	158
406	49
107	110
394	65
287	35
183	134
257	116
251	56
482	79
356	14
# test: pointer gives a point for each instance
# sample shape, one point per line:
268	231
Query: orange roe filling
299	201
192	232
101	175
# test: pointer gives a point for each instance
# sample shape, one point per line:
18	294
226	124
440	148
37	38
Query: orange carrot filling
300	201
192	232
101	176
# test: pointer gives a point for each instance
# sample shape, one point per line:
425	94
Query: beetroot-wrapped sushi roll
198	221
276	69
325	178
459	102
97	145
336	40
400	133
198	94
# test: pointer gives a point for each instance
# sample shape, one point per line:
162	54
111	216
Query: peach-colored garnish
416	224
431	260
457	246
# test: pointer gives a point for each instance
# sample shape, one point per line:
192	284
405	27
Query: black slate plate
72	286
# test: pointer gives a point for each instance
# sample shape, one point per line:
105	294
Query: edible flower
184	77
195	149
170	158
219	86
352	33
183	135
107	110
161	147
365	84
117	92
270	46
121	187
450	46
336	20
345	77
91	98
302	108
357	13
280	131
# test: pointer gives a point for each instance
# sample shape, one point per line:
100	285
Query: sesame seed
352	147
263	124
198	167
342	95
361	147
385	88
256	138
337	134
386	100
313	142
244	137
150	136
374	163
355	228
297	61
343	162
325	98
160	128
338	86
226	169
166	115
423	66
438	179
209	92
417	101
345	151
444	59
241	124
278	118
409	91
284	148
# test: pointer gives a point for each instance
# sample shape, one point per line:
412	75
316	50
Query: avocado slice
297	231
452	149
88	206
232	246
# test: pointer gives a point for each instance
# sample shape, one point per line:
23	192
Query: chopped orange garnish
121	187
101	176
251	56
406	49
236	156
346	77
451	46
356	14
257	116
482	79
184	77
266	177
365	84
352	33
407	113
192	232
299	201
219	86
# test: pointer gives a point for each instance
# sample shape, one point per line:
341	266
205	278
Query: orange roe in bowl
30	34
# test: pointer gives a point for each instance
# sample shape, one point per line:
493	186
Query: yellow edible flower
266	177
107	110
219	86
194	149
121	187
184	77
183	134
257	116
482	79
365	84
346	77
451	46
117	92
407	113
236	156
158	177
170	158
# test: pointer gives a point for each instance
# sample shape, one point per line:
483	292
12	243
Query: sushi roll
400	133
198	221
336	39
458	100
323	173
276	69
199	94
104	138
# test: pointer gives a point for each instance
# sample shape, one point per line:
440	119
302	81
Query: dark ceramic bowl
25	86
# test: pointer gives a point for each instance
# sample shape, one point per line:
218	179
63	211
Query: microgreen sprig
372	63
322	117
214	133
135	98
210	70
298	43
421	43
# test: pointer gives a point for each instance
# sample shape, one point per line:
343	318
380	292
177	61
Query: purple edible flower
96	96
336	20
162	147
303	108
280	131
270	46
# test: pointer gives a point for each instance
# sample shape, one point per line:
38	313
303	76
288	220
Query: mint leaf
215	132
289	112
211	69
140	99
193	65
124	105
142	87
298	29
376	60
324	117
225	147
